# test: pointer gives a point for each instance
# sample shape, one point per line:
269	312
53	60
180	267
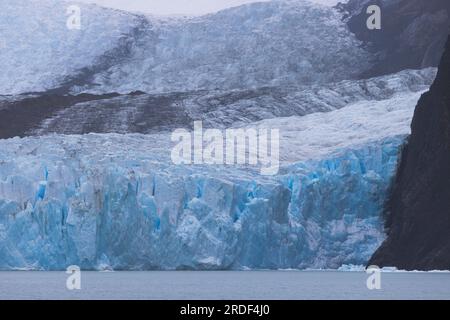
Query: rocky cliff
412	35
418	212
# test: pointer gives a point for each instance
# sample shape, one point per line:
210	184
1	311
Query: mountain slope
118	201
38	52
260	44
275	43
412	35
419	207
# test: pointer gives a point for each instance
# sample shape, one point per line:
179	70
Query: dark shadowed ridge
418	212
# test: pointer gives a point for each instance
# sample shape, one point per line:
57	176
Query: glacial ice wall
75	200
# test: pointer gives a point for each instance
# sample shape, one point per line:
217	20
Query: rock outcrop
412	35
418	211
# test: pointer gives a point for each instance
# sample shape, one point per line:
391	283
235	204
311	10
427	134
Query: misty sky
167	7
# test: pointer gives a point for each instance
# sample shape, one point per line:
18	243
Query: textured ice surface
273	43
269	43
116	200
317	135
99	200
39	52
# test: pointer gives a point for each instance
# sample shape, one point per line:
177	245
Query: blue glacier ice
115	201
77	200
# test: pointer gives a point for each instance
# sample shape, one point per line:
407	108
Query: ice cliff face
413	33
260	44
82	200
117	201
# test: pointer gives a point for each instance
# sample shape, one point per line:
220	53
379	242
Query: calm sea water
224	285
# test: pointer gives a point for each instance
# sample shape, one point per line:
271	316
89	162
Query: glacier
72	200
116	201
272	43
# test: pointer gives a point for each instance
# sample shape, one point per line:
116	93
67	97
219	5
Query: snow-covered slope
269	43
260	44
38	51
117	200
317	135
240	107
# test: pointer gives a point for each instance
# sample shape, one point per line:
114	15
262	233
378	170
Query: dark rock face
412	35
418	215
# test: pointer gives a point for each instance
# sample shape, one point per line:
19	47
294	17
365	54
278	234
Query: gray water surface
235	285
